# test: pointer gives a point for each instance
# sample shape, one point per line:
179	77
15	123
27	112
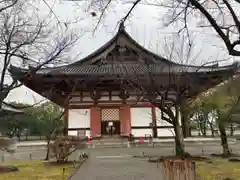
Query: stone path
119	167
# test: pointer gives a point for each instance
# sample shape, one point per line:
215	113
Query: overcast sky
146	25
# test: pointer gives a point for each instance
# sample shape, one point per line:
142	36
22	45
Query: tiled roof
120	69
123	69
8	108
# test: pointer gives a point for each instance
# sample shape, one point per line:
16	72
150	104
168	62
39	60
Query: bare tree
221	15
169	85
27	39
168	89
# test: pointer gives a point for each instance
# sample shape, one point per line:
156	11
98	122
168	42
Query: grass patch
38	170
218	169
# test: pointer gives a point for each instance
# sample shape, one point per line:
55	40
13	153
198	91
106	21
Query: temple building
6	109
99	91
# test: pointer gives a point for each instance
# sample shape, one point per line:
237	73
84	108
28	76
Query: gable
120	55
122	49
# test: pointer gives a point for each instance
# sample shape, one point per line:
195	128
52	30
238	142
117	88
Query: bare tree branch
179	10
7	5
28	40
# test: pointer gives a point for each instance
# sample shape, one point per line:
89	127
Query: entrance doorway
110	121
113	129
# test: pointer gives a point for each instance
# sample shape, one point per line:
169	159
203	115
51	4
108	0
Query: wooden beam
108	105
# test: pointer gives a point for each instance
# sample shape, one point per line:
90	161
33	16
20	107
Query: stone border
154	142
74	171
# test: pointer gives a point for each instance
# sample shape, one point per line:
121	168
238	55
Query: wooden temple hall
95	96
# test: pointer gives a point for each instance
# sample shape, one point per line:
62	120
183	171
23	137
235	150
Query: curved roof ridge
209	66
157	57
123	31
15	70
96	52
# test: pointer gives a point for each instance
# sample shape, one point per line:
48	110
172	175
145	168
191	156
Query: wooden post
65	130
179	170
125	120
95	121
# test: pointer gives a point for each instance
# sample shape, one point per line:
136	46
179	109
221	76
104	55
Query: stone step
110	145
111	139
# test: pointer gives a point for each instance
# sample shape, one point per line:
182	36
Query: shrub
64	146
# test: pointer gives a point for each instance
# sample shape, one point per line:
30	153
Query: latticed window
110	114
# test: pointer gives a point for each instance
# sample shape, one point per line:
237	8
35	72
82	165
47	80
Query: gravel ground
117	163
25	153
118	168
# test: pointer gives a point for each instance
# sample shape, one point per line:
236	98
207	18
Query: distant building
7	109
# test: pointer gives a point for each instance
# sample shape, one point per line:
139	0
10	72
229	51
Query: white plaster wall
116	98
166	132
141	132
75	99
104	98
86	98
74	133
141	116
79	118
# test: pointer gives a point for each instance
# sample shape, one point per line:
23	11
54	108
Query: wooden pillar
125	119
95	121
154	122
66	119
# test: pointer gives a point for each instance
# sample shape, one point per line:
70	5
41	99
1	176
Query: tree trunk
185	125
19	136
203	128
179	141
224	142
231	129
65	130
212	129
48	150
10	135
188	128
204	132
